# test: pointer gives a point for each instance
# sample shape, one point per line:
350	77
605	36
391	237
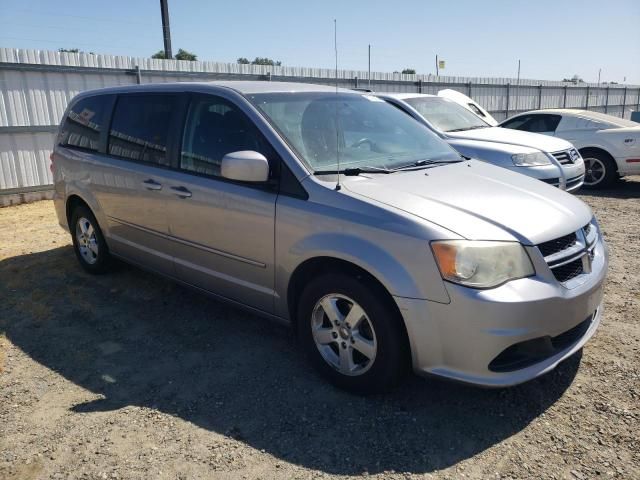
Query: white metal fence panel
36	86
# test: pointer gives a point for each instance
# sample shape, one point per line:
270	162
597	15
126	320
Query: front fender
366	255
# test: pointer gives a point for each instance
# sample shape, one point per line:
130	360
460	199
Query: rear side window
140	128
214	128
84	123
534	123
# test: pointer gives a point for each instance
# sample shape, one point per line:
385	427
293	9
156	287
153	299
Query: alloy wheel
87	241
595	171
344	334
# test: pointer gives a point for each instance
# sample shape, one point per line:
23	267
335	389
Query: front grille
566	157
571	255
557	245
570	270
563	157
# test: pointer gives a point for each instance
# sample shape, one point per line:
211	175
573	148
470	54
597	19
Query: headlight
481	264
530	159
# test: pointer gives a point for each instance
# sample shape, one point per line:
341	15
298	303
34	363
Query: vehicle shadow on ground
140	340
624	188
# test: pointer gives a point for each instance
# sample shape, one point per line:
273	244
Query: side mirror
245	166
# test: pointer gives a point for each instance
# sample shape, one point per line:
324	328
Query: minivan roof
241	86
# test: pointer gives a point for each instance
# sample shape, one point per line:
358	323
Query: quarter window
214	128
535	123
140	128
84	123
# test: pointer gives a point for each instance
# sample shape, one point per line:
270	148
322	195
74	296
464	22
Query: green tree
181	55
243	61
185	55
409	71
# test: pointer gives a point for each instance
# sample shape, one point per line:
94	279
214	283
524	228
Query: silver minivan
334	211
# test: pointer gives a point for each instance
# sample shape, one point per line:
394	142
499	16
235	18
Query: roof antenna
335	46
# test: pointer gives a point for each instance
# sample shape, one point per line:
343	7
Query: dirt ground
130	376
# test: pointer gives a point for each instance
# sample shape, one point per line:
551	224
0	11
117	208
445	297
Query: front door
222	231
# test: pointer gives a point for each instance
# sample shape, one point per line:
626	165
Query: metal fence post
469	90
138	75
624	102
508	94
606	102
539	96
638	99
420	86
564	103
355	81
586	105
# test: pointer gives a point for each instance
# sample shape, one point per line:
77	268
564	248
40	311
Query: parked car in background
609	145
551	160
336	212
468	103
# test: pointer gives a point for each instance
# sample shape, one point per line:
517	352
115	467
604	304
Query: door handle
151	184
182	192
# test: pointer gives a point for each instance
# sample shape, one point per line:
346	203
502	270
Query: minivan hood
513	137
478	201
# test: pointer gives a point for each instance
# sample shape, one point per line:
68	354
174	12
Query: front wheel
351	333
600	170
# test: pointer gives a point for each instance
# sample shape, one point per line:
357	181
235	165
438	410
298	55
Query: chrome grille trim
561	253
566	157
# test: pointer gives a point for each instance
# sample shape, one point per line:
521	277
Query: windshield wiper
355	171
468	128
424	163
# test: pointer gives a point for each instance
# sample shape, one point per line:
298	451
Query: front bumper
569	177
459	340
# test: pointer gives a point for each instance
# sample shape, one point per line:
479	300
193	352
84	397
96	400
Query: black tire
391	353
595	162
102	261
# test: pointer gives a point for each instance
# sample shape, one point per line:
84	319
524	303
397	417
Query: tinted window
534	123
140	127
516	123
84	122
214	128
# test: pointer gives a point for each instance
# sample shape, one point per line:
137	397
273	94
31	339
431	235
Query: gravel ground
130	376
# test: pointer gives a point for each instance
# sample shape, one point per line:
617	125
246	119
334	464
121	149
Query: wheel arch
316	266
73	201
584	151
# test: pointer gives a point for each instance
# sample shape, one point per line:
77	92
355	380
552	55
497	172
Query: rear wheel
88	242
600	170
351	334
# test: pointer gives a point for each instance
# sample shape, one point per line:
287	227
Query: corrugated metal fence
36	85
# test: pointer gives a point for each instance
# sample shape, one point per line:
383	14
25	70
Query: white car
551	160
609	145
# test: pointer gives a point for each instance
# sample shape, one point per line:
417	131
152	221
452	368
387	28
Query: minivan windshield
339	131
446	115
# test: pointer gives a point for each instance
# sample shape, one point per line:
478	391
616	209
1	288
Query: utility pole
437	68
518	88
599	72
166	32
369	76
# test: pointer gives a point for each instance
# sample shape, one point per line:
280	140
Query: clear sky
553	38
